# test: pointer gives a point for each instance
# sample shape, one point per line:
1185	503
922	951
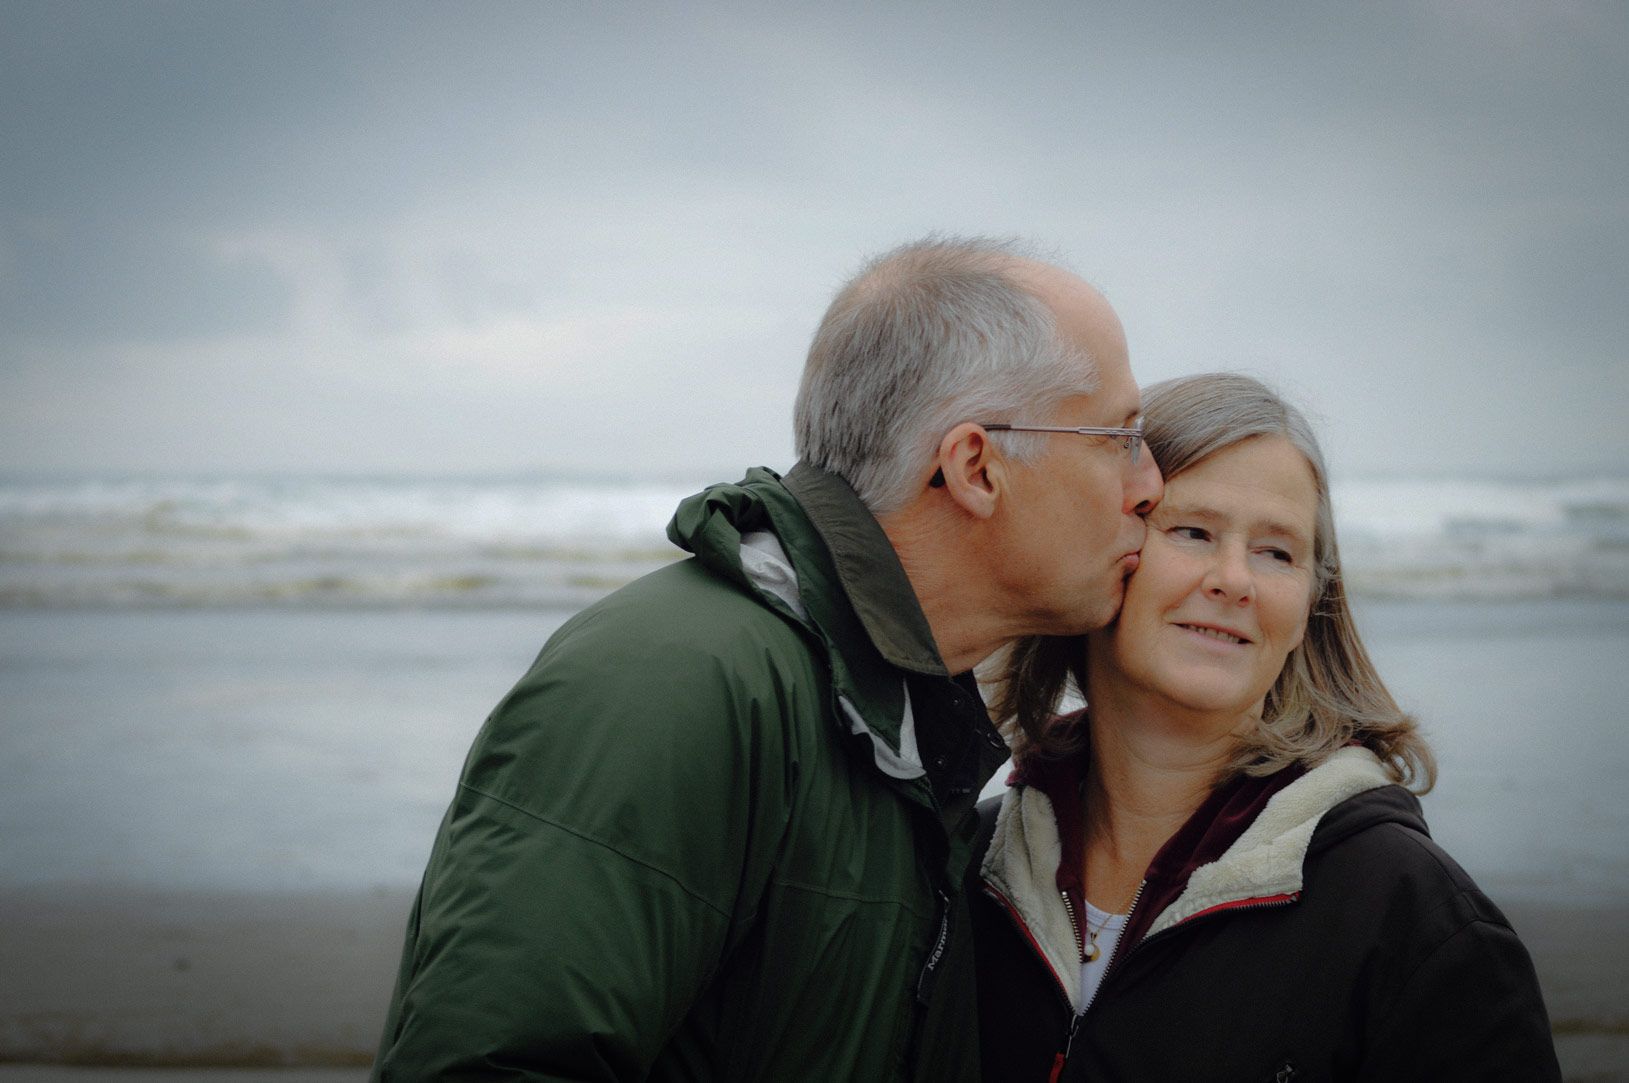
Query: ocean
268	684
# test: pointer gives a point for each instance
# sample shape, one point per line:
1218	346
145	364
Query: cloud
421	242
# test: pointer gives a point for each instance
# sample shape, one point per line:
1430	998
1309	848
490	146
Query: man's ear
971	470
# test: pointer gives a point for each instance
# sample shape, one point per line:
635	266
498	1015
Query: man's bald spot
1084	315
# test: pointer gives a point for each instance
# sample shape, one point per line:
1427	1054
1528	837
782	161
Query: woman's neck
1150	768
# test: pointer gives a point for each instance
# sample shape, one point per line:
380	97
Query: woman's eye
1282	555
1191	533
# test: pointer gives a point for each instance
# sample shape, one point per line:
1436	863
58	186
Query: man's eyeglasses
1131	439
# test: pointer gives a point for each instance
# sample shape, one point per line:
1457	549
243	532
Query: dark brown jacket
1360	951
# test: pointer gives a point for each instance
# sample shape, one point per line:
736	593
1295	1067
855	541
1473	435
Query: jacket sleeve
617	811
1470	1010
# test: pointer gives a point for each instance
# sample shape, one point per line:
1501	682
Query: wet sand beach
200	981
212	822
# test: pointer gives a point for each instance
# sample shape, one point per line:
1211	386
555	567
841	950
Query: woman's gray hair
925	337
1327	695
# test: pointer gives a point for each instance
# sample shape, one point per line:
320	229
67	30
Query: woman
1214	871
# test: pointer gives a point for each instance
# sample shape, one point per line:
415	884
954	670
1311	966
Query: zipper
1120	945
1262	903
1012	912
1267	902
1121	951
1062	1058
1074	924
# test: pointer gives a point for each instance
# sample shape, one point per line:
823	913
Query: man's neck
967	626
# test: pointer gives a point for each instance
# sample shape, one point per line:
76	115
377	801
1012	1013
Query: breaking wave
560	544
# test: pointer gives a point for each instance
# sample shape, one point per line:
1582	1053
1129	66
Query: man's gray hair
925	337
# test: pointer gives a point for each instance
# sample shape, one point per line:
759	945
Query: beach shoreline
202	982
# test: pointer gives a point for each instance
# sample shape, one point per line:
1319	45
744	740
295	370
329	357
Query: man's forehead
1118	395
1085	317
1105	407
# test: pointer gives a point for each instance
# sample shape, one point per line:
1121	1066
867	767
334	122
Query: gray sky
583	237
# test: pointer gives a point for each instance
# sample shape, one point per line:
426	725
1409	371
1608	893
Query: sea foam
561	543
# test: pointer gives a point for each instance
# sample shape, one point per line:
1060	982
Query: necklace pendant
1091	953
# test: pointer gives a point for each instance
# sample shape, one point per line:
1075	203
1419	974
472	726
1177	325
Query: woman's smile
1216	634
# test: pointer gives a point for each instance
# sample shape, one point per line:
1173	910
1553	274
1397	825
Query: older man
718	831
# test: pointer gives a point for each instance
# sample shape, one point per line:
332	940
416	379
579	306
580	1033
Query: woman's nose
1229	575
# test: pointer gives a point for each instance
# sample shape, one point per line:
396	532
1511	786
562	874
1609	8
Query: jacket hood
1263	863
1390	804
710	523
758	535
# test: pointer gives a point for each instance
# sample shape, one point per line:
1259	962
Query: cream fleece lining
1022	864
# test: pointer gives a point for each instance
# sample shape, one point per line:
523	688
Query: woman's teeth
1213	633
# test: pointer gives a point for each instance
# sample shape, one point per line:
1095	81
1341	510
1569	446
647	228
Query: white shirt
1107	929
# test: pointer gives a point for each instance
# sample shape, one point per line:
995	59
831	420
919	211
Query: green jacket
709	835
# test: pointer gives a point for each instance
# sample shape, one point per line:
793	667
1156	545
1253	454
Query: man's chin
1116	599
1098	614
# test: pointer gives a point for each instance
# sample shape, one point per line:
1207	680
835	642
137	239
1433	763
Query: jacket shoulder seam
603	844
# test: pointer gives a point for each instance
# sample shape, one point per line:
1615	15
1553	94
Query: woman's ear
970	469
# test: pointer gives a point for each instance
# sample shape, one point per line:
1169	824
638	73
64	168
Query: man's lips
1130	561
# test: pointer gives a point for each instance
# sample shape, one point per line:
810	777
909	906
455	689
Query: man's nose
1145	486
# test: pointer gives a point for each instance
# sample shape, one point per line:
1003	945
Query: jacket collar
761	534
1247	842
1206	836
869	569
